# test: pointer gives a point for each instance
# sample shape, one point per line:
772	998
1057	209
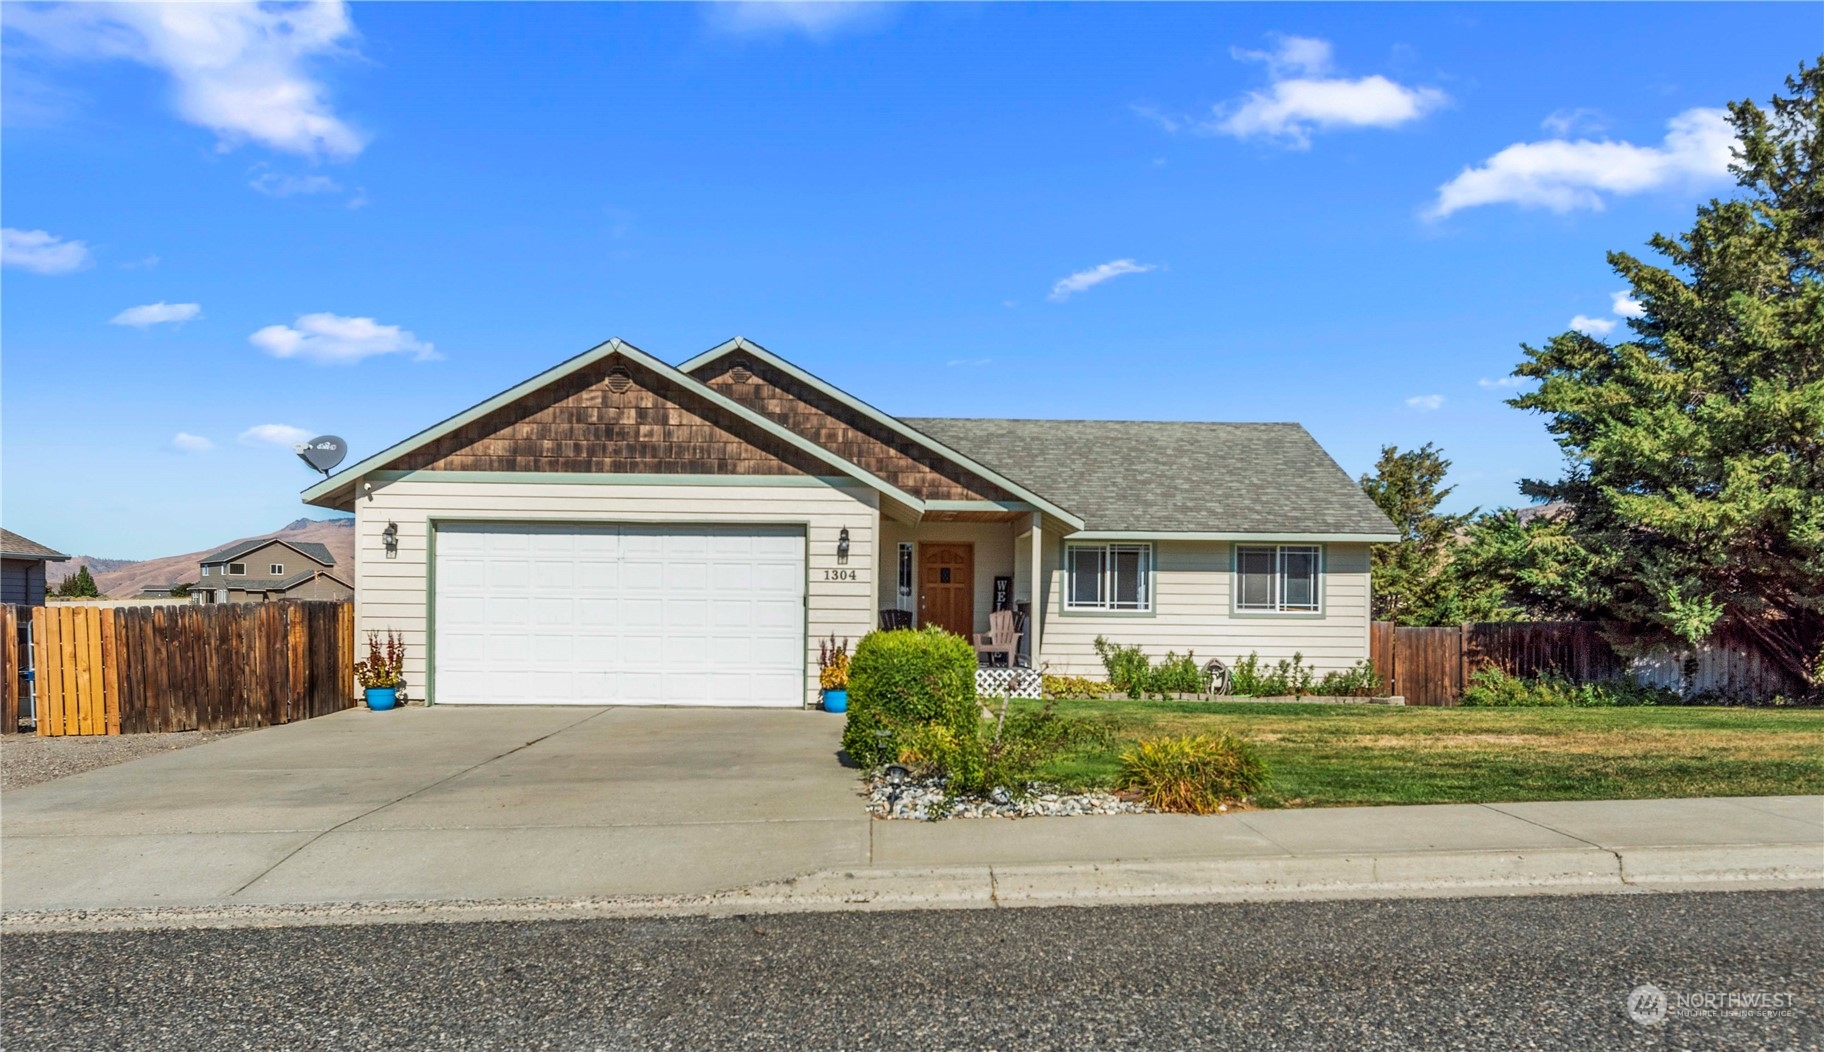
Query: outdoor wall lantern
842	546
389	539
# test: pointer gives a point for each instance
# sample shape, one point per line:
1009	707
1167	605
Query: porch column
1036	587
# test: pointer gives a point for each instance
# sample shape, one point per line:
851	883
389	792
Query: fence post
9	690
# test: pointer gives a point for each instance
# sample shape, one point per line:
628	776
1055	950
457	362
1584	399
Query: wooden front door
946	587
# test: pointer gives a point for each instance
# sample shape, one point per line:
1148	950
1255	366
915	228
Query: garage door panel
674	615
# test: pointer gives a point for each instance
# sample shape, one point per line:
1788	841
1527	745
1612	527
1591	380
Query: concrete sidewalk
560	811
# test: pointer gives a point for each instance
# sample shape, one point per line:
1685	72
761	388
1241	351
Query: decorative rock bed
925	800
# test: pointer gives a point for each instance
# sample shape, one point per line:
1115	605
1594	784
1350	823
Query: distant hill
126	578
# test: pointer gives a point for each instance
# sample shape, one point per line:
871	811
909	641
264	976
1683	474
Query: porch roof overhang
339	490
887	420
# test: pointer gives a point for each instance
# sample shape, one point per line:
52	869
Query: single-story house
620	530
265	569
22	569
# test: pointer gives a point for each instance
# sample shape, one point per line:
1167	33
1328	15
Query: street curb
1398	875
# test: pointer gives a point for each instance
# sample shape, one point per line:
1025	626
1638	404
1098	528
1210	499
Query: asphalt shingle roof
1171	476
14	546
309	549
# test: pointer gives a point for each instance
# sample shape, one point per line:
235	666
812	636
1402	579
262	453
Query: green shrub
1177	675
1494	688
1194	773
1132	674
1250	678
902	680
1127	667
1075	687
1362	681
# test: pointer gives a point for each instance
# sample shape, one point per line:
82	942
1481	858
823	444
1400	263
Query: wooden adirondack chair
1002	637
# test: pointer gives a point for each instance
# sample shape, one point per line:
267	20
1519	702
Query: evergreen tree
1416	581
1696	448
79	585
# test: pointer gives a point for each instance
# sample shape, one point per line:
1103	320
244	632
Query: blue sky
226	225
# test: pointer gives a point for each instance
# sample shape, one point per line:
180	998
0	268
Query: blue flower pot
382	698
835	701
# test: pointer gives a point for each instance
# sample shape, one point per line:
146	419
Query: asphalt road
1408	974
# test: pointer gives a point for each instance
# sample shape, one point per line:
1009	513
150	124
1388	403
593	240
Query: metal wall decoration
842	546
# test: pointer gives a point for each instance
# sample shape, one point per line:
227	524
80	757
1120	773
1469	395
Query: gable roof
1271	480
893	423
329	490
13	546
308	549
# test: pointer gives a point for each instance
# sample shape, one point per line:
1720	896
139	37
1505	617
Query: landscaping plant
385	664
1361	681
1131	673
833	664
1494	688
1250	678
1074	687
902	682
1193	773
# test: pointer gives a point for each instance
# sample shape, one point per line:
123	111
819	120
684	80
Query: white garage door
622	615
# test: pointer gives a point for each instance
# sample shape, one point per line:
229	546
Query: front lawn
1327	755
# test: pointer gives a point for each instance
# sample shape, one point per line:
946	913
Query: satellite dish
322	453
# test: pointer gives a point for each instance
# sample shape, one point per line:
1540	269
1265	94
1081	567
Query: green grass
1329	755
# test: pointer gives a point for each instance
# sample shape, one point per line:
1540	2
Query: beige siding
392	593
1192	586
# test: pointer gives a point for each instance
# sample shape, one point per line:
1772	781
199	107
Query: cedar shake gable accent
612	416
903	461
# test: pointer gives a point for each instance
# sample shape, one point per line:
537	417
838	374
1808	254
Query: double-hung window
275	570
1108	577
1278	578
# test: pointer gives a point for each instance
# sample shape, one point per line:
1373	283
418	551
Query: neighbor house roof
13	546
308	549
1173	477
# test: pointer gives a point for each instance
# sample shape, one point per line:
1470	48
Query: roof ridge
1082	420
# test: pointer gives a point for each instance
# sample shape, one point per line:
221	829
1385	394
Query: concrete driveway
445	803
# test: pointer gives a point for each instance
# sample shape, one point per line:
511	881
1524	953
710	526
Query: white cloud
1626	305
190	443
44	253
818	19
278	184
1302	99
1593	326
969	363
1293	56
1563	123
1425	403
1564	175
1088	279
1500	382
158	313
242	70
275	434
333	338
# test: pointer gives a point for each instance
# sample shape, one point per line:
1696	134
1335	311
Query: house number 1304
842	575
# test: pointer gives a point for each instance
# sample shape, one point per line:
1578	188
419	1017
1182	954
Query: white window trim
275	569
230	571
1107	589
205	571
1278	607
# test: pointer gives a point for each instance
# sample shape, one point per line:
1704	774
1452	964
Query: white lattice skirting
1007	683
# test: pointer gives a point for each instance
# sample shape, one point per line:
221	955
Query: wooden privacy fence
115	670
1431	666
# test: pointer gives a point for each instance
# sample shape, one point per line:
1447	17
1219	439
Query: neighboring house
268	568
617	530
22	569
